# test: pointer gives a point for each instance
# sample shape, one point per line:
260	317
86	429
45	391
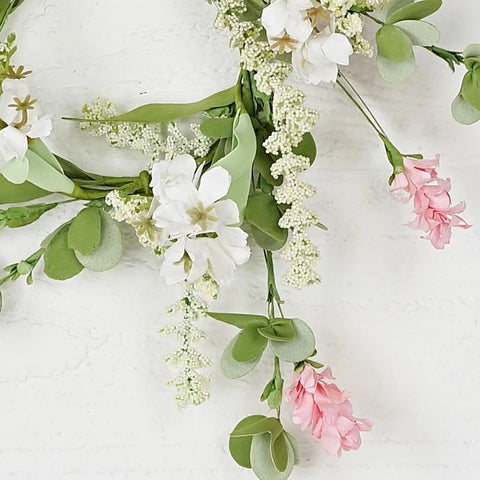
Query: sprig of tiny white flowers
292	120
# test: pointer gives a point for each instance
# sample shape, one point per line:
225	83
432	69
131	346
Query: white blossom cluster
291	120
155	140
191	386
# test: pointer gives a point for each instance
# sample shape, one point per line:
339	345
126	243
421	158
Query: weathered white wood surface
82	392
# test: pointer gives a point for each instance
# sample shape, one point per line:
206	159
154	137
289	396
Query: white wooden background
82	392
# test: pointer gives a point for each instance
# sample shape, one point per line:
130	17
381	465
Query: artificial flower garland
237	175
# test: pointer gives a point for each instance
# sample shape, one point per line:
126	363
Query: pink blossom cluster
432	203
326	409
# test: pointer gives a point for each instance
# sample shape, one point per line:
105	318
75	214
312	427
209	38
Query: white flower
316	61
19	111
195	221
287	23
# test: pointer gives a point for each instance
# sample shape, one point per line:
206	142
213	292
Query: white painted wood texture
82	392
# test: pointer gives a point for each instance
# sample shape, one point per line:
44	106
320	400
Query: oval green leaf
14	193
393	44
298	349
262	462
421	33
230	367
240	446
463	112
85	231
470	89
110	249
395	72
415	11
60	262
249	345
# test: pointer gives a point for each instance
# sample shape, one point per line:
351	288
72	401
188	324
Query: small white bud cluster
191	386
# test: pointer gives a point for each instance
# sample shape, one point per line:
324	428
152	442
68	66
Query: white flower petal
337	48
183	165
221	264
214	185
274	17
13	141
227	212
299	4
41	128
297	27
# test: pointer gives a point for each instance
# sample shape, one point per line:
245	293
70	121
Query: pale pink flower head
432	202
325	408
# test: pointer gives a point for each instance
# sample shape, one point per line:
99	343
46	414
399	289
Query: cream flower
316	61
19	111
195	221
287	24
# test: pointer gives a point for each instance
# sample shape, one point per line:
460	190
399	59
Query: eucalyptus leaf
239	162
463	112
249	345
110	249
280	329
230	367
263	240
472	50
60	262
415	11
263	213
420	33
297	349
167	112
470	89
393	44
262	462
279	450
269	425
240	446
217	127
393	6
85	231
395	72
240	320
13	193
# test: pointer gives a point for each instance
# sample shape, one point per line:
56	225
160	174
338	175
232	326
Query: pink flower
432	203
326	409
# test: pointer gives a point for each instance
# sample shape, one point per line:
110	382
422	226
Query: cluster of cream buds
177	143
143	137
192	387
135	210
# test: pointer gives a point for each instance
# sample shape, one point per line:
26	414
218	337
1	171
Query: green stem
277	375
238	93
374	19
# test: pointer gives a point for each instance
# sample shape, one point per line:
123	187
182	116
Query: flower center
316	13
23	106
200	215
187	263
282	43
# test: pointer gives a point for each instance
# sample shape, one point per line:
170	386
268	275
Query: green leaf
393	6
393	44
280	329
20	216
249	345
307	147
13	193
420	33
60	262
37	146
415	11
110	249
262	462
395	72
470	89
297	349
85	231
279	450
240	320
230	367
472	51
240	446
263	213
463	112
167	112
263	161
44	175
263	240
269	425
239	161
217	127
